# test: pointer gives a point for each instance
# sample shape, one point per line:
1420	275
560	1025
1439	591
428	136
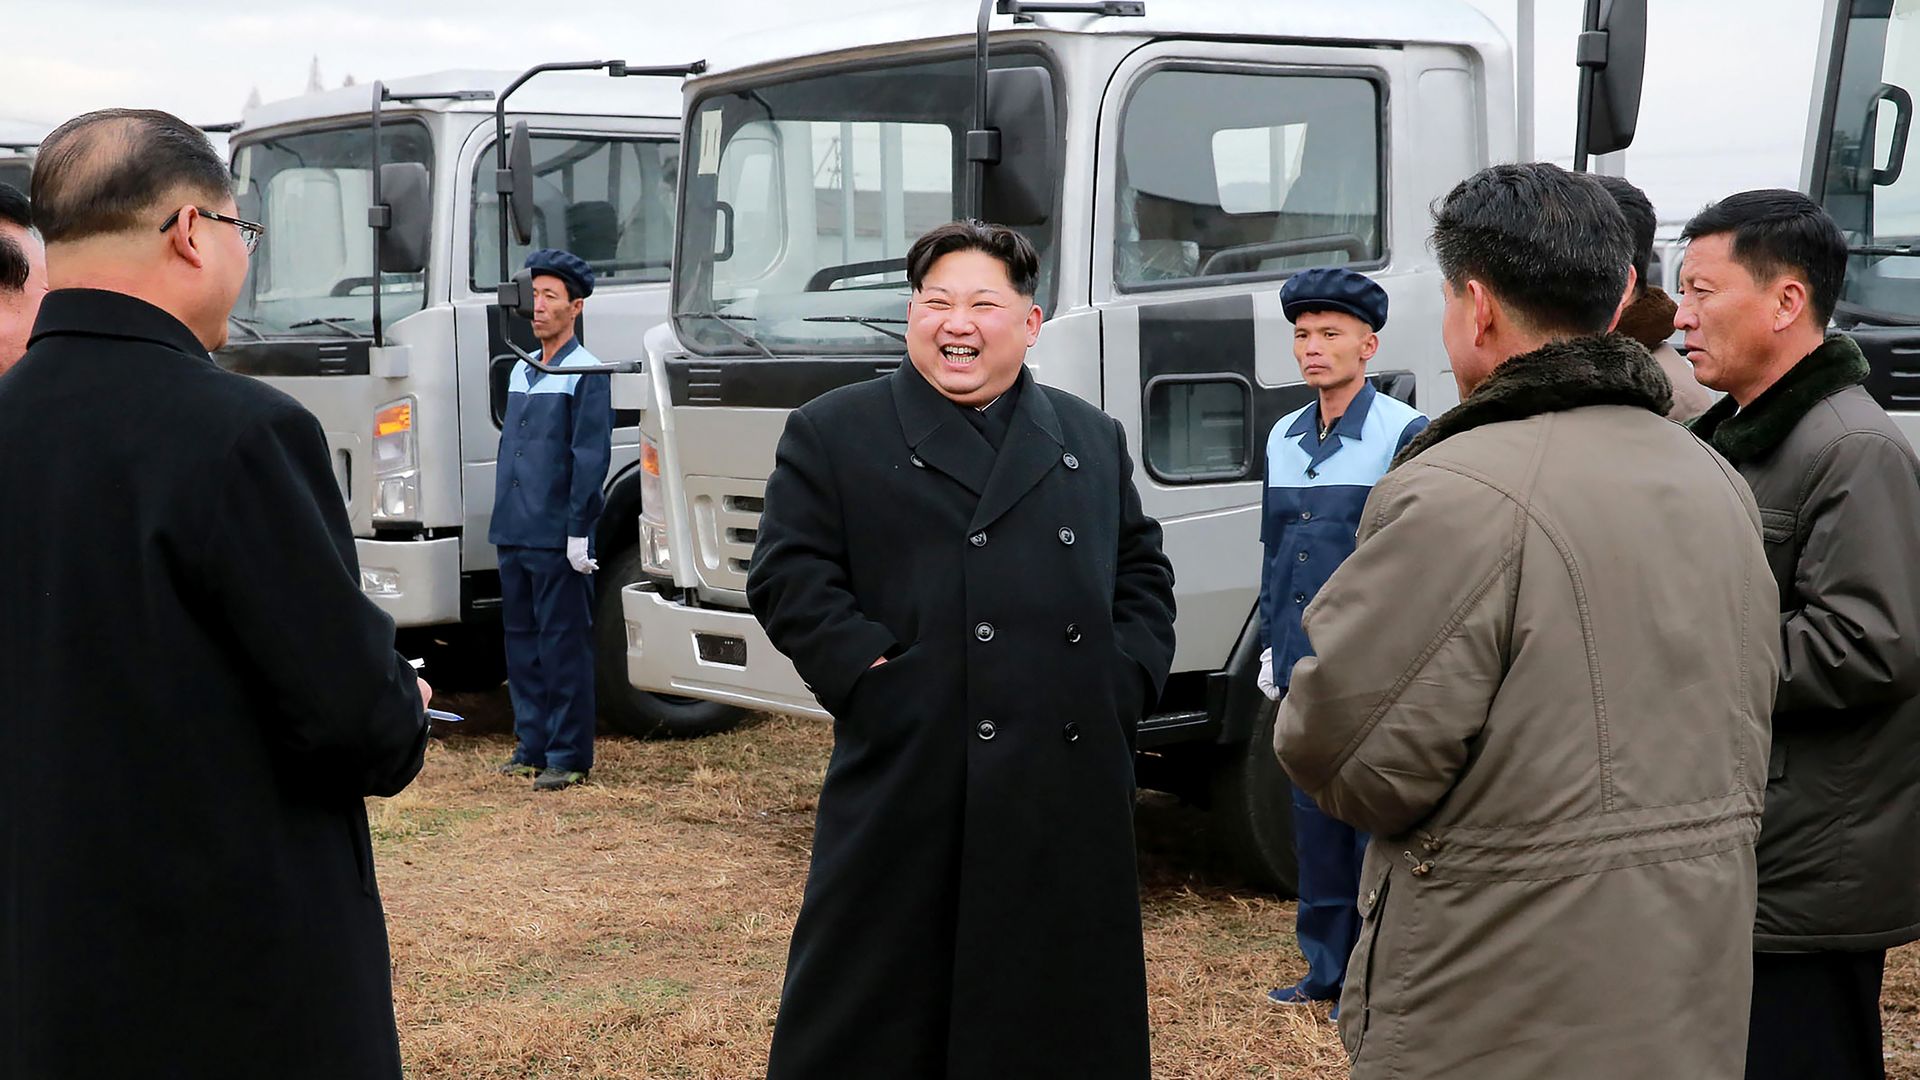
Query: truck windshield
313	273
1864	178
802	197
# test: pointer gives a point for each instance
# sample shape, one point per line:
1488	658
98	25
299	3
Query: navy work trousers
1327	922
547	609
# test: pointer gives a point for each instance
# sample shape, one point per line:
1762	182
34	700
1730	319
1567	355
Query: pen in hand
437	714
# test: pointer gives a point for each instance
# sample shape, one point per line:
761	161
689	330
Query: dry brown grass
637	927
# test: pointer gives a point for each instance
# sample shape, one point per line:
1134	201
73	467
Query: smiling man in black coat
955	559
196	694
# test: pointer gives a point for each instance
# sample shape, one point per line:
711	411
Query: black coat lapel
1032	449
938	435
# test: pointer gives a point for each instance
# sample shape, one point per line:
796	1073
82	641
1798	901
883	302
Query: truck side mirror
520	167
405	189
1019	187
516	294
1615	51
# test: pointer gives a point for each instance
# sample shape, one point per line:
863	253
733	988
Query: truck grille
726	522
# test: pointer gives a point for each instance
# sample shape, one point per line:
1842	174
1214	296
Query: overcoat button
1303	556
1071	731
1073	633
1306	515
984	631
986	730
1299	598
1071	461
1373	897
978	539
917	463
1066	535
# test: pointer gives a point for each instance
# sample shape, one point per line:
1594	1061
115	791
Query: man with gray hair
23	274
1555	731
198	695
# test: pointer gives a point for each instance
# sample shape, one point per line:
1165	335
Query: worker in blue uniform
1322	461
554	445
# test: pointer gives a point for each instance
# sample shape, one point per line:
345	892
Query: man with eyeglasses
23	274
197	696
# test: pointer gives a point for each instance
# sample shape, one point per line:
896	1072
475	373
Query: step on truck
374	300
1172	163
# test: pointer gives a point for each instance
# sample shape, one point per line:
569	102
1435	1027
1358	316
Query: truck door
607	197
1856	167
1225	167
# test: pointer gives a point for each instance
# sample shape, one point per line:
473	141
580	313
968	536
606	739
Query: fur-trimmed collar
1649	320
1744	434
1561	375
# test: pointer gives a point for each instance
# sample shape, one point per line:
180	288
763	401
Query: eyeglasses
250	231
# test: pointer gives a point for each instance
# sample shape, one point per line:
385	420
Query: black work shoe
516	767
551	779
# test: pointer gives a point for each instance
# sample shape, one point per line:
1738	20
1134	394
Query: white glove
577	555
1266	675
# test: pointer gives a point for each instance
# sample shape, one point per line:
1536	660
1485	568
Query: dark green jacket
1839	494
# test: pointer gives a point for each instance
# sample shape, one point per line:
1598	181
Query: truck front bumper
415	581
709	654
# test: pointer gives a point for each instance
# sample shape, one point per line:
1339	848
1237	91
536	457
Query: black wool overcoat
194	699
973	906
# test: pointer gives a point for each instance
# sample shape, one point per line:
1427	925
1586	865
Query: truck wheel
1253	809
636	712
459	656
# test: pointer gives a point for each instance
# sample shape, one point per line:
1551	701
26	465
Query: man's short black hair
1549	243
107	171
1014	251
15	210
1640	221
1778	232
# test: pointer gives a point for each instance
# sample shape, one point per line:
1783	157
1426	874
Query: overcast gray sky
1727	90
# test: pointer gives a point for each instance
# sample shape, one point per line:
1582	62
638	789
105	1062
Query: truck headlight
656	558
395	463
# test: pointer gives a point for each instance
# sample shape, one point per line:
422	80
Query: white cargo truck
1173	163
388	327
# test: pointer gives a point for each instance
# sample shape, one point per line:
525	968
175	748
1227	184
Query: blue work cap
566	266
1334	288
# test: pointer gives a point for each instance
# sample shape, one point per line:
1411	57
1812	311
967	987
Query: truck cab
1172	168
413	418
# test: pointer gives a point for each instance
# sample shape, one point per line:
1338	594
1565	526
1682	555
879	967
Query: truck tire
1252	803
460	656
634	712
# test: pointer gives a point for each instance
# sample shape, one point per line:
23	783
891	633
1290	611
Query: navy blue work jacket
554	447
1310	512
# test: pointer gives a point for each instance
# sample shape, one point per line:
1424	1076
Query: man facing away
1322	460
1839	494
198	696
1554	730
955	560
1648	318
23	275
555	443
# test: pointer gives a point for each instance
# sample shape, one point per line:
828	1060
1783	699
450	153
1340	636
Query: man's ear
1486	307
1368	346
181	238
1034	318
1792	299
1626	298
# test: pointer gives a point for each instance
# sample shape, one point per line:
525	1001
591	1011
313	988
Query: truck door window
1870	175
609	201
1247	173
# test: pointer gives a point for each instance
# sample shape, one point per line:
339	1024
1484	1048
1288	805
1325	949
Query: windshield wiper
332	322
249	325
870	322
727	319
1885	249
